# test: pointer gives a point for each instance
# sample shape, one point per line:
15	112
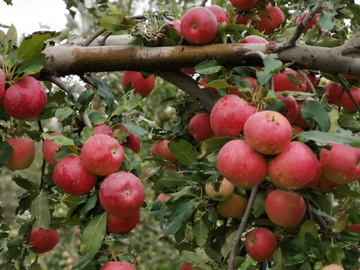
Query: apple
2	84
118	266
291	107
260	244
311	24
332	267
185	266
25	99
233	207
253	39
229	115
103	129
163	197
333	93
318	172
220	14
199	25
285	208
211	89
323	184
283	83
243	4
293	168
346	102
268	132
132	141
49	149
121	194
72	177
176	25
353	227
242	19
141	85
241	165
267	25
297	129
161	149
23	153
311	76
102	154
225	190
200	127
43	240
124	225
342	170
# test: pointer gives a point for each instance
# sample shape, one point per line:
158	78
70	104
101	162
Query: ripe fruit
118	266
253	39
297	129
23	153
229	115
220	14
293	168
233	207
240	164
333	93
199	25
311	24
269	25
161	149
25	99
285	208
268	132
121	194
243	4
124	225
43	240
260	244
283	83
347	103
332	267
102	154
71	176
103	129
200	127
340	170
185	266
132	141
225	189
291	107
138	82
49	149
323	184
2	84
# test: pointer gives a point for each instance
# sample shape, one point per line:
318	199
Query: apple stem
241	228
318	218
347	90
307	80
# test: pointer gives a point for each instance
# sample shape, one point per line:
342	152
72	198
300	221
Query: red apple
23	153
342	170
220	14
103	129
225	190
102	154
2	84
211	89
260	244
253	39
268	132
138	82
291	107
233	207
199	25
161	149
132	141
71	176
200	127
283	83
323	184
25	99
124	225
229	115
333	93
43	240
243	4
267	25
297	129
176	25
118	266
332	267
311	76
346	102
318	172
240	164
285	208
311	24
185	266
293	168
49	149
121	194
242	19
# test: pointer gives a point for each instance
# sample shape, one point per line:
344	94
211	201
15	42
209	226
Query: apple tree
232	124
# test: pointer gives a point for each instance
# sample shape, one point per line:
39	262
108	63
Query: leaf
34	44
4	115
345	191
314	110
271	63
295	80
86	133
132	101
6	151
63	113
341	223
32	66
259	205
135	129
349	122
276	105
218	84
97	118
89	205
325	20
201	231
308	227
84	99
40	211
334	117
213	254
94	234
172	179
208	67
193	259
214	144
116	22
183	151
355	10
280	260
25	183
326	138
178	218
327	42
83	261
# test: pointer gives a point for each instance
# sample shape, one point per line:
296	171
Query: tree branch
347	90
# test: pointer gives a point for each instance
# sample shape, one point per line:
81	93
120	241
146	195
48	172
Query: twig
203	3
307	80
102	41
242	225
308	210
291	42
93	36
347	90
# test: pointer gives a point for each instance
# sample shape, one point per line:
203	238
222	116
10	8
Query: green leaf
40	211
132	101
193	259
84	99
218	84
83	261
213	254
341	223
94	234
312	110
63	113
308	227
208	67
280	260
178	218
355	10
34	44
327	42
325	20
284	35
323	137
349	122
86	133
25	183
201	231
97	118
89	205
135	129
259	205
345	191
335	254
276	105
214	144
32	66
6	151
4	115
311	35
271	63
295	80
172	179
116	22
183	151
